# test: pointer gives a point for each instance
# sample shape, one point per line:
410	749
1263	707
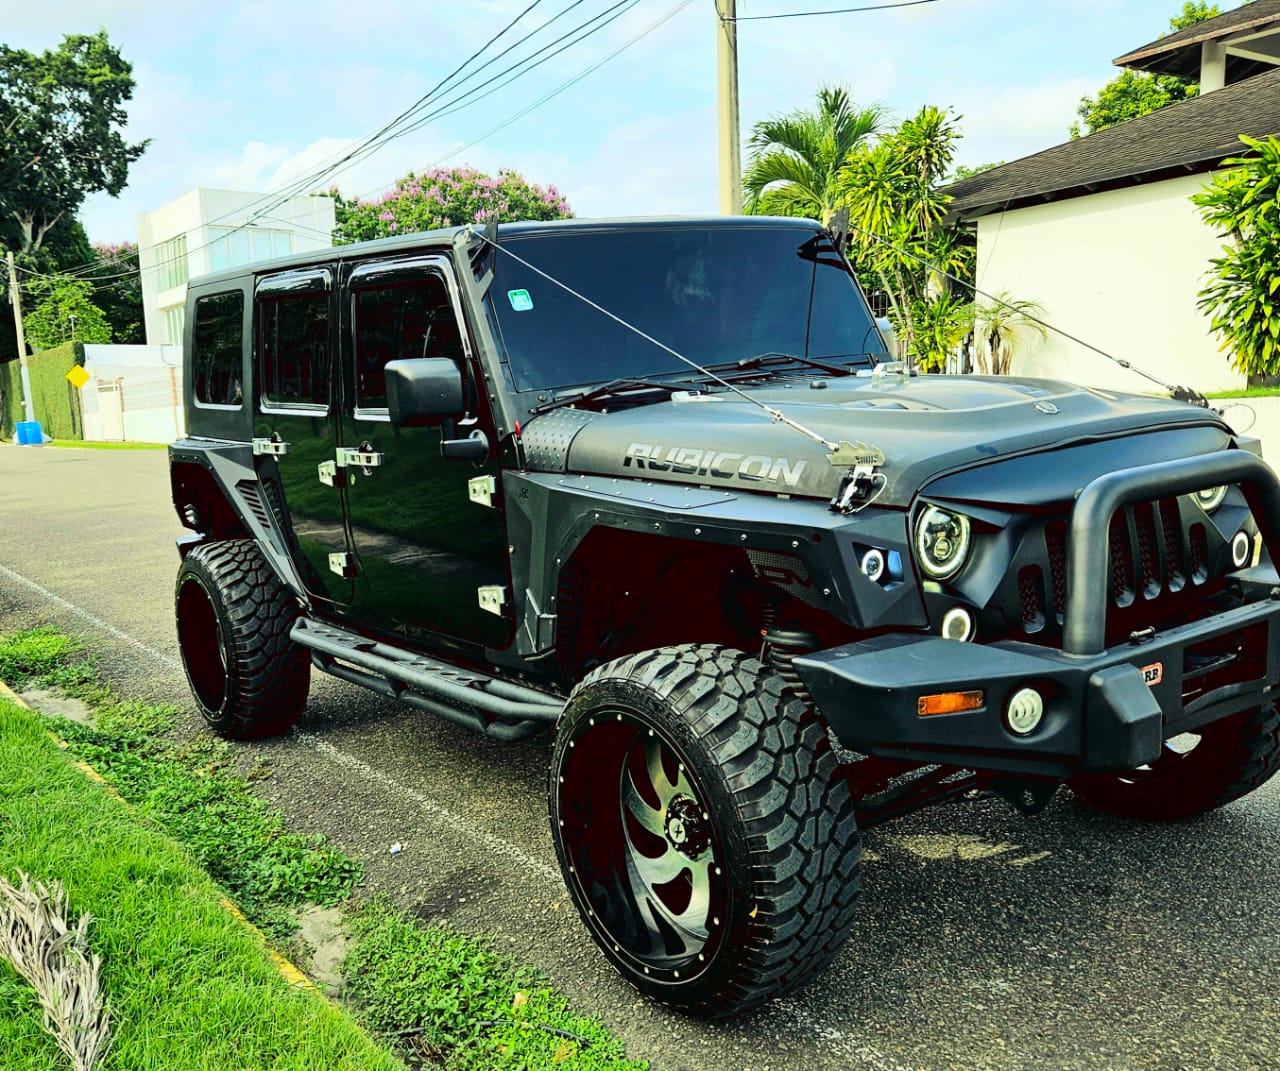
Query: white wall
1120	270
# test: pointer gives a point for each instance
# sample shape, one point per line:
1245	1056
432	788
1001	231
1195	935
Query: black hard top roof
444	238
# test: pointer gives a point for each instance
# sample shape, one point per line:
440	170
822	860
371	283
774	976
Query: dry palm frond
53	955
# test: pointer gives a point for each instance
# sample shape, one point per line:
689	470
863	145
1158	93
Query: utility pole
730	148
23	372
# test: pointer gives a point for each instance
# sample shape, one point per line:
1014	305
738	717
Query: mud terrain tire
233	616
703	827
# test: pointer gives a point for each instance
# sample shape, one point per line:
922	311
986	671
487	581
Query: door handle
273	447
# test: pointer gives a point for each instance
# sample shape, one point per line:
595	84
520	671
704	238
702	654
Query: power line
836	11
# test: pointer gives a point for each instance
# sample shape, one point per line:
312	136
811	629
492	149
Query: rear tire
1195	773
703	827
234	617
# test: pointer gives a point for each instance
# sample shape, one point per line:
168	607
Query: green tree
896	207
964	171
64	311
61	121
796	158
117	283
1135	93
446	197
999	323
1243	204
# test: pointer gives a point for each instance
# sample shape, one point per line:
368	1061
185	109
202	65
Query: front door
425	550
295	419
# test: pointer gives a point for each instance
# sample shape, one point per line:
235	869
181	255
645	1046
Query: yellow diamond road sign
78	376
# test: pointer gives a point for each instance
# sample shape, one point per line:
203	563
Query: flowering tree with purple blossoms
446	197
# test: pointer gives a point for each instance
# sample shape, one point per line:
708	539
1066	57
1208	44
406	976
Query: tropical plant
118	290
1243	204
1135	93
797	158
999	322
897	235
63	311
445	197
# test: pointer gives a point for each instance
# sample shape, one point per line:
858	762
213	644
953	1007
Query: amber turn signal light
949	703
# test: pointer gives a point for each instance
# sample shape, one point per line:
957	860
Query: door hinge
273	447
481	489
493	598
362	458
330	475
343	563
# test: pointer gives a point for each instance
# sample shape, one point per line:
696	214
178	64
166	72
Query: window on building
410	319
174	318
294	348
217	358
231	247
171	262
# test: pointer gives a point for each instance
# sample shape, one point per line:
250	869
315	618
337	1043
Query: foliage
61	121
896	209
998	324
964	171
1135	93
63	312
52	397
797	158
1243	204
446	197
118	290
465	1004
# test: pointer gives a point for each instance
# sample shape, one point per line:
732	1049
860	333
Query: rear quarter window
217	358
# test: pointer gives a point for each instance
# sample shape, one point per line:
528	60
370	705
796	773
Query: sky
253	94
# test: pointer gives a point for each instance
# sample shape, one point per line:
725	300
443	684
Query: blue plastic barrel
29	433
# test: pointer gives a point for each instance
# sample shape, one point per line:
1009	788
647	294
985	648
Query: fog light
1240	547
873	565
1025	711
957	624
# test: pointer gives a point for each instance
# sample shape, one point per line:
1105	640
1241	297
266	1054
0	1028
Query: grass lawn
78	444
1248	392
189	987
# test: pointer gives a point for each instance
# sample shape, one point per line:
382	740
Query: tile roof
1179	53
1193	135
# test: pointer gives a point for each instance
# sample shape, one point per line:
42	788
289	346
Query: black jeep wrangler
656	484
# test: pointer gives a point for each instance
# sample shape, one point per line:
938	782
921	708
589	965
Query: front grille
1159	571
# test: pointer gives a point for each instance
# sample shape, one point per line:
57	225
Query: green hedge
56	403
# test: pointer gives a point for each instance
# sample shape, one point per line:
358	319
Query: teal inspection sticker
520	300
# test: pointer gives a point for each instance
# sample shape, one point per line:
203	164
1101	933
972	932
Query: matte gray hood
925	426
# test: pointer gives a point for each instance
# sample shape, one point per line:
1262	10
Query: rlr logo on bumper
1153	674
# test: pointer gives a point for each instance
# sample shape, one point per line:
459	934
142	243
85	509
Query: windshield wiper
769	360
574	395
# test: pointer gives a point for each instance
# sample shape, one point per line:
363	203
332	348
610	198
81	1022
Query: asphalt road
982	940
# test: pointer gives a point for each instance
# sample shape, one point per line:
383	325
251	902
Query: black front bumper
1105	709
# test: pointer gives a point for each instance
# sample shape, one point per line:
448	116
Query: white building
1101	230
208	230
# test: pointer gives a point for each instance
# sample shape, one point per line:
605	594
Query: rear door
295	421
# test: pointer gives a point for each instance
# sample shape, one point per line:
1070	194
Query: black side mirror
423	391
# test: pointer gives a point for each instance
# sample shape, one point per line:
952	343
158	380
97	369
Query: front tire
1195	773
234	617
703	828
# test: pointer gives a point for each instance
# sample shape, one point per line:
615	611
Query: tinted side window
294	348
217	345
409	319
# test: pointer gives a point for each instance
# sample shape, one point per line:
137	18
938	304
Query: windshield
714	294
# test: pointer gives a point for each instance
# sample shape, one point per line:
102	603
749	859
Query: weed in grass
451	996
28	656
131	718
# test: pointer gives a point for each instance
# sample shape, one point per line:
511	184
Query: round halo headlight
942	542
1210	498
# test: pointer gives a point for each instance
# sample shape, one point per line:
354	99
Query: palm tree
796	157
997	324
